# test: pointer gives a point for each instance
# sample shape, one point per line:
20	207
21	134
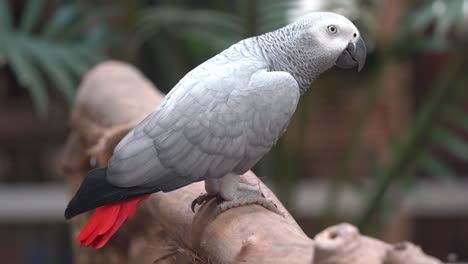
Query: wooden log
342	244
111	100
407	252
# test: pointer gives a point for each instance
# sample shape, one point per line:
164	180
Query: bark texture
112	99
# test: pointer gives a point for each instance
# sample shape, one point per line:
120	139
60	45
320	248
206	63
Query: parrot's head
330	39
314	44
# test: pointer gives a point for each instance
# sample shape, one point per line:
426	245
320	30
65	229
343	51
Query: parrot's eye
332	29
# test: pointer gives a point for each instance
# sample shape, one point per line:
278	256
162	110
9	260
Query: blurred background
385	149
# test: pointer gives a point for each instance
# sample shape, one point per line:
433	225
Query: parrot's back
222	117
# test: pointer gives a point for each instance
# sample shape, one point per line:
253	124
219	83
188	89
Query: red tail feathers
105	221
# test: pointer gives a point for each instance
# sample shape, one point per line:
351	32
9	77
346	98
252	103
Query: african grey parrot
217	123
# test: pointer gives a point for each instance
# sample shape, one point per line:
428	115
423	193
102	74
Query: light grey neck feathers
283	52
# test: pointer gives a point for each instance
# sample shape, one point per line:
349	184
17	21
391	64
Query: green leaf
87	54
216	20
451	142
271	22
424	123
6	21
162	50
99	35
211	39
60	21
31	15
426	44
2	51
45	57
28	76
454	10
73	61
457	117
421	19
273	15
79	26
175	19
436	168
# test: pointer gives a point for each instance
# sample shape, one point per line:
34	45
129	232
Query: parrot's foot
203	198
248	195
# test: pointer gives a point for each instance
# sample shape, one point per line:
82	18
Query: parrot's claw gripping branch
203	198
248	200
247	195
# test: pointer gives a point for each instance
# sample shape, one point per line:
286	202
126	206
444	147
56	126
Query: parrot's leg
247	195
230	193
238	194
212	191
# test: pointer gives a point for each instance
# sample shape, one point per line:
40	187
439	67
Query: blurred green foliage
186	36
50	51
429	27
443	18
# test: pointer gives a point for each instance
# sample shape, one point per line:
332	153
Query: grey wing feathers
134	163
206	127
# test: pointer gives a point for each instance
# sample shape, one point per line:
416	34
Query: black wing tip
71	210
75	207
68	215
95	191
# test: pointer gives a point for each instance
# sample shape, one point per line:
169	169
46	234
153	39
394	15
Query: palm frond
27	75
6	20
75	29
63	17
213	40
76	64
31	15
46	58
88	54
446	139
442	16
448	19
426	122
273	14
436	167
50	64
457	117
451	142
152	21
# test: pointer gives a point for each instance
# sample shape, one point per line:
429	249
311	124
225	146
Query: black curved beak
354	55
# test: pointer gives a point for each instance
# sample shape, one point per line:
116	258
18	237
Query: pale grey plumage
227	113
